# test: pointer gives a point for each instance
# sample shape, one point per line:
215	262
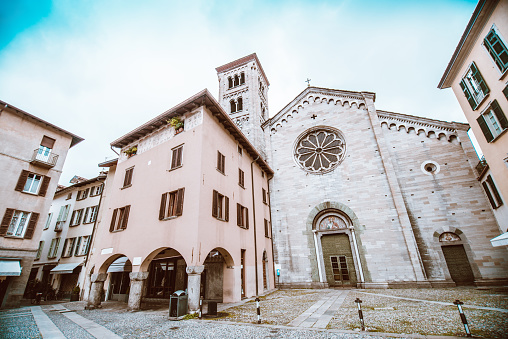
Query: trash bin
212	308
178	304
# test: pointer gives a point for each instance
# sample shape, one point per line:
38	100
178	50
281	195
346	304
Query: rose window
320	150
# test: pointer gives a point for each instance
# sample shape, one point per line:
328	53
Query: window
242	78
176	157
265	200
69	196
68	247
44	152
19	224
492	192
220	206
90	214
242	216
492	122
339	268
82	245
230	82
96	190
32	183
241	178
120	218
53	248
221	162
267	228
236	106
48	221
62	217
237	80
240	151
76	217
497	49
171	204
82	194
127	181
505	92
39	250
473	86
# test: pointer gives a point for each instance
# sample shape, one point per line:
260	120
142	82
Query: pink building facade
185	208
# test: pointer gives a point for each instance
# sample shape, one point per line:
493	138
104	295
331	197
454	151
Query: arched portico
218	280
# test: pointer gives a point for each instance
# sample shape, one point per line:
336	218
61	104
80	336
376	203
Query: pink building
185	208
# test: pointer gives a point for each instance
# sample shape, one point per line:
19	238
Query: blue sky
101	68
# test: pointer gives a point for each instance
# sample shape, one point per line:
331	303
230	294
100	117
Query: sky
100	68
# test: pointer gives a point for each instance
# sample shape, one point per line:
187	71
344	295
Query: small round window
430	167
320	149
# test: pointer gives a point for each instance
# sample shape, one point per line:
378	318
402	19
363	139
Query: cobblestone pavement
285	314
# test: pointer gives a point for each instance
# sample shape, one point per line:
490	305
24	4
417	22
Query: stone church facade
363	197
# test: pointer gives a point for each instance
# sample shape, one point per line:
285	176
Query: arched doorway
334	240
456	259
265	271
216	281
119	280
166	274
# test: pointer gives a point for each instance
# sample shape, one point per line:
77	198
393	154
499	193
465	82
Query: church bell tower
243	93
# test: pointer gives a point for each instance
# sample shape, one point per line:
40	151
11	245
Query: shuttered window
90	214
263	192
242	216
76	217
474	86
493	122
176	157
120	218
32	183
68	247
62	217
82	245
48	221
19	224
221	162
82	194
171	204
127	181
220	206
241	178
47	142
39	250
53	248
492	193
497	49
267	228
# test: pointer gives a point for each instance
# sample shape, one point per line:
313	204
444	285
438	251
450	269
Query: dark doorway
165	277
458	265
338	260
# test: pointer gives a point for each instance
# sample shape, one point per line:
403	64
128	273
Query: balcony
44	159
481	166
59	226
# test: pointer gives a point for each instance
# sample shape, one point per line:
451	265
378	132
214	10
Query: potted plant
131	151
75	294
177	124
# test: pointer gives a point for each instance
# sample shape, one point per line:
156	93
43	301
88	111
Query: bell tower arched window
230	82
242	78
233	106
239	105
237	80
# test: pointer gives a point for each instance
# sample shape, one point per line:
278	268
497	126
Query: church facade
362	197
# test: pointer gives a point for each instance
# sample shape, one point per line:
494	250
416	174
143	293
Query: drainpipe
114	150
254	217
92	239
271	232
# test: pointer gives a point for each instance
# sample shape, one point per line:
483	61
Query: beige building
32	154
186	208
67	235
477	74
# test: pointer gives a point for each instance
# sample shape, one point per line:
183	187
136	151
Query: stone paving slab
47	328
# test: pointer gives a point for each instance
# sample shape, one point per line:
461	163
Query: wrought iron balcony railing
44	158
482	165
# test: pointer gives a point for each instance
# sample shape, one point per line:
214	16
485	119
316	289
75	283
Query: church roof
240	62
203	98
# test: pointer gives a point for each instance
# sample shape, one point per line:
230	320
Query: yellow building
478	75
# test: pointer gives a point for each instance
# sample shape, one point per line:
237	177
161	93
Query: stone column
94	299
136	289
194	286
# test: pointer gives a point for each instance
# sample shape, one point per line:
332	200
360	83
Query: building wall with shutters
194	232
474	50
20	136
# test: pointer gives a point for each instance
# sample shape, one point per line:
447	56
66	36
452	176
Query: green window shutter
76	251
499	115
495	191
505	92
468	95
497	50
479	79
485	129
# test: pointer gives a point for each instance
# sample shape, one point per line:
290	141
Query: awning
64	268
501	240
10	268
122	264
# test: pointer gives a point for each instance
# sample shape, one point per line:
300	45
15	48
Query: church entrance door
338	260
458	265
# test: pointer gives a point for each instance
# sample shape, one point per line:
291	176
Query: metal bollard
360	313
200	308
463	317
259	311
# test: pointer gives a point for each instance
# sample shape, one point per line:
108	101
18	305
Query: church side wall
448	199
